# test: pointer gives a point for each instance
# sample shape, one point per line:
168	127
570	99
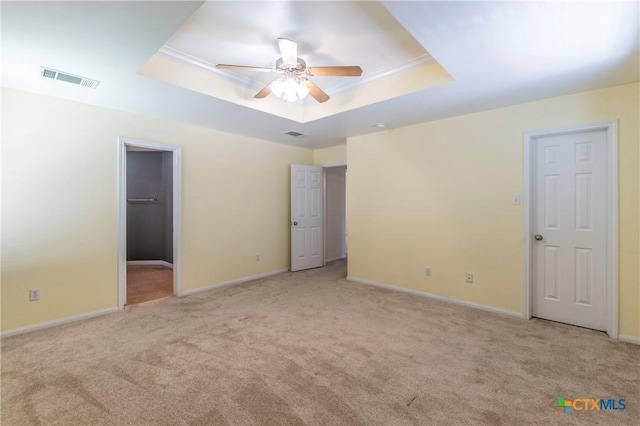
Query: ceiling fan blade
243	68
264	92
288	51
353	71
315	91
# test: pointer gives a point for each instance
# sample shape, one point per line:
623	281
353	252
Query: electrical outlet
427	271
34	294
257	258
469	277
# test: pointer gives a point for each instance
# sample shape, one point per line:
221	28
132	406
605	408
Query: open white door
307	242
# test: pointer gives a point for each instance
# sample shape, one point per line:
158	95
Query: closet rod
142	200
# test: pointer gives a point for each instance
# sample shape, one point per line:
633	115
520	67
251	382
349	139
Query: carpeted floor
148	282
312	348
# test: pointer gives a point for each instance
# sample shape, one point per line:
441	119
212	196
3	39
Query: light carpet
312	348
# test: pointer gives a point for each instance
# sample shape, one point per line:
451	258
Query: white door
569	223
307	245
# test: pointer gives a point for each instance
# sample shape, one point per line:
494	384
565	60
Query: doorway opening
335	208
149	222
318	215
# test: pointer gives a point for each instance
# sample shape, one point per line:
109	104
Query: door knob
538	237
295	223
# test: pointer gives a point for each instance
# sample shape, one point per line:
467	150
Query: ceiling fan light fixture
289	89
293	86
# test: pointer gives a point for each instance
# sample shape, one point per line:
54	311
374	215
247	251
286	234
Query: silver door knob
295	223
538	237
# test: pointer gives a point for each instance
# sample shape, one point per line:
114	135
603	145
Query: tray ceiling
327	33
480	56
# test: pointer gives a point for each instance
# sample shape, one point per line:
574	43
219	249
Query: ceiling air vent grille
69	78
48	73
295	134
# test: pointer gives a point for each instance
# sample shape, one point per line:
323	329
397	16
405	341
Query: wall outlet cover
34	294
515	199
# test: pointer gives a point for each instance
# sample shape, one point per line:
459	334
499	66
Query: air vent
69	78
48	73
295	134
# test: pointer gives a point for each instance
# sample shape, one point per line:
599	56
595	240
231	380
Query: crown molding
413	63
194	62
199	64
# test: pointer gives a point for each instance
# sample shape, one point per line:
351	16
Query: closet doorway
149	222
335	208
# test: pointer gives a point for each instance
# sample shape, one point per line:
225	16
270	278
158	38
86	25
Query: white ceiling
498	54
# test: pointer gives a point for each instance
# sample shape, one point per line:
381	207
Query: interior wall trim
629	339
57	322
150	263
474	305
232	282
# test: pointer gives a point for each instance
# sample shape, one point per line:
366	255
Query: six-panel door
569	196
307	238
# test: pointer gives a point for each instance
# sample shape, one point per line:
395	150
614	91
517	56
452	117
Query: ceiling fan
294	85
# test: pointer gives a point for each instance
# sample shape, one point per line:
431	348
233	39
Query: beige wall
438	194
332	155
59	204
435	194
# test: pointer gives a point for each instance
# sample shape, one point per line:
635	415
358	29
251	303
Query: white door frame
324	189
122	213
611	128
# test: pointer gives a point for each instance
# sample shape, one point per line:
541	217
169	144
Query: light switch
515	200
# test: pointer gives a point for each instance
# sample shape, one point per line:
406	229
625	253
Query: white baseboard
57	322
335	258
150	263
436	297
629	339
232	282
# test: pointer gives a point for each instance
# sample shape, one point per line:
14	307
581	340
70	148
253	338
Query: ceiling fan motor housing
300	68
